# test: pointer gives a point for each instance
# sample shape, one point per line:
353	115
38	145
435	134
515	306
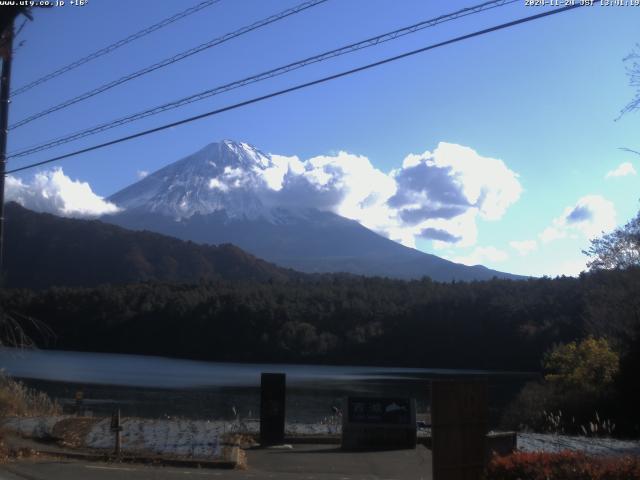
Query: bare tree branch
632	66
21	331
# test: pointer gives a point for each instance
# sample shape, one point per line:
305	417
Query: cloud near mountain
436	195
54	192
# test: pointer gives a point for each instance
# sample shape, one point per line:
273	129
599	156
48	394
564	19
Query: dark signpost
116	428
79	397
374	422
272	408
458	428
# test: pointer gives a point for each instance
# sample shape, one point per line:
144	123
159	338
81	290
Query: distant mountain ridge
45	250
185	200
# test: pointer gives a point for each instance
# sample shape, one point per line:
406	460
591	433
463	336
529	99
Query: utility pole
6	47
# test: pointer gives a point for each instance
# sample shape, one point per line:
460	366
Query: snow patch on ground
539	442
193	438
252	426
204	438
35	427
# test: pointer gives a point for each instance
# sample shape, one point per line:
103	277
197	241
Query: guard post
272	408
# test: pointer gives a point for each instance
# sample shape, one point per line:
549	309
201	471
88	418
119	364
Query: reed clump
16	399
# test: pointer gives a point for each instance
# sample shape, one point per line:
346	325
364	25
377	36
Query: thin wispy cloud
482	255
524	247
622	170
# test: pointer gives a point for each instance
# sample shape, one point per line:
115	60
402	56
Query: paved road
304	462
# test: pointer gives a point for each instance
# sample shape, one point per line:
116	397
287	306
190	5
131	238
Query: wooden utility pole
116	428
6	49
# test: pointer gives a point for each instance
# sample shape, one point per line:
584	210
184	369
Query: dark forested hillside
494	324
42	250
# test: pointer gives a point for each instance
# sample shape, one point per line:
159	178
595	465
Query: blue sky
539	99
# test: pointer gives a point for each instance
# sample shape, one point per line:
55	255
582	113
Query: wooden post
6	46
116	428
79	403
272	408
459	419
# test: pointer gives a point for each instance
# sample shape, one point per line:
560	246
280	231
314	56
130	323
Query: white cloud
622	170
482	255
280	166
550	234
440	195
364	189
346	184
524	247
486	182
437	196
142	174
568	268
214	183
54	192
588	218
462	228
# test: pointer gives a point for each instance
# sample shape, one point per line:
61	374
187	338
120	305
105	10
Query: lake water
156	386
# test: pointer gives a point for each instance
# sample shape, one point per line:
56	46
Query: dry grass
71	432
16	399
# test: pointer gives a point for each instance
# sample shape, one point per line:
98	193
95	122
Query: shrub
578	384
527	410
562	466
587	366
17	399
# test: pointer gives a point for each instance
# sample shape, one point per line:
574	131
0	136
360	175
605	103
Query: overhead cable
301	86
263	76
114	46
169	61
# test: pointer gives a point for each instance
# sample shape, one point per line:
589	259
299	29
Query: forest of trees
500	324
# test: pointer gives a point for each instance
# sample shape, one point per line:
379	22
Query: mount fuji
217	195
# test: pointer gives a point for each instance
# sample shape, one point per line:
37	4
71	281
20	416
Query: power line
263	76
17	34
300	86
168	61
114	46
19	30
625	149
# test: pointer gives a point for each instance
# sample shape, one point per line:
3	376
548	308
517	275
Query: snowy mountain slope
188	186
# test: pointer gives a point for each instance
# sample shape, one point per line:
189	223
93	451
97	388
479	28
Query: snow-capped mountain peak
221	176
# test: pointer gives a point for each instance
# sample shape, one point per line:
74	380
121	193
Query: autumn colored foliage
562	466
587	366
